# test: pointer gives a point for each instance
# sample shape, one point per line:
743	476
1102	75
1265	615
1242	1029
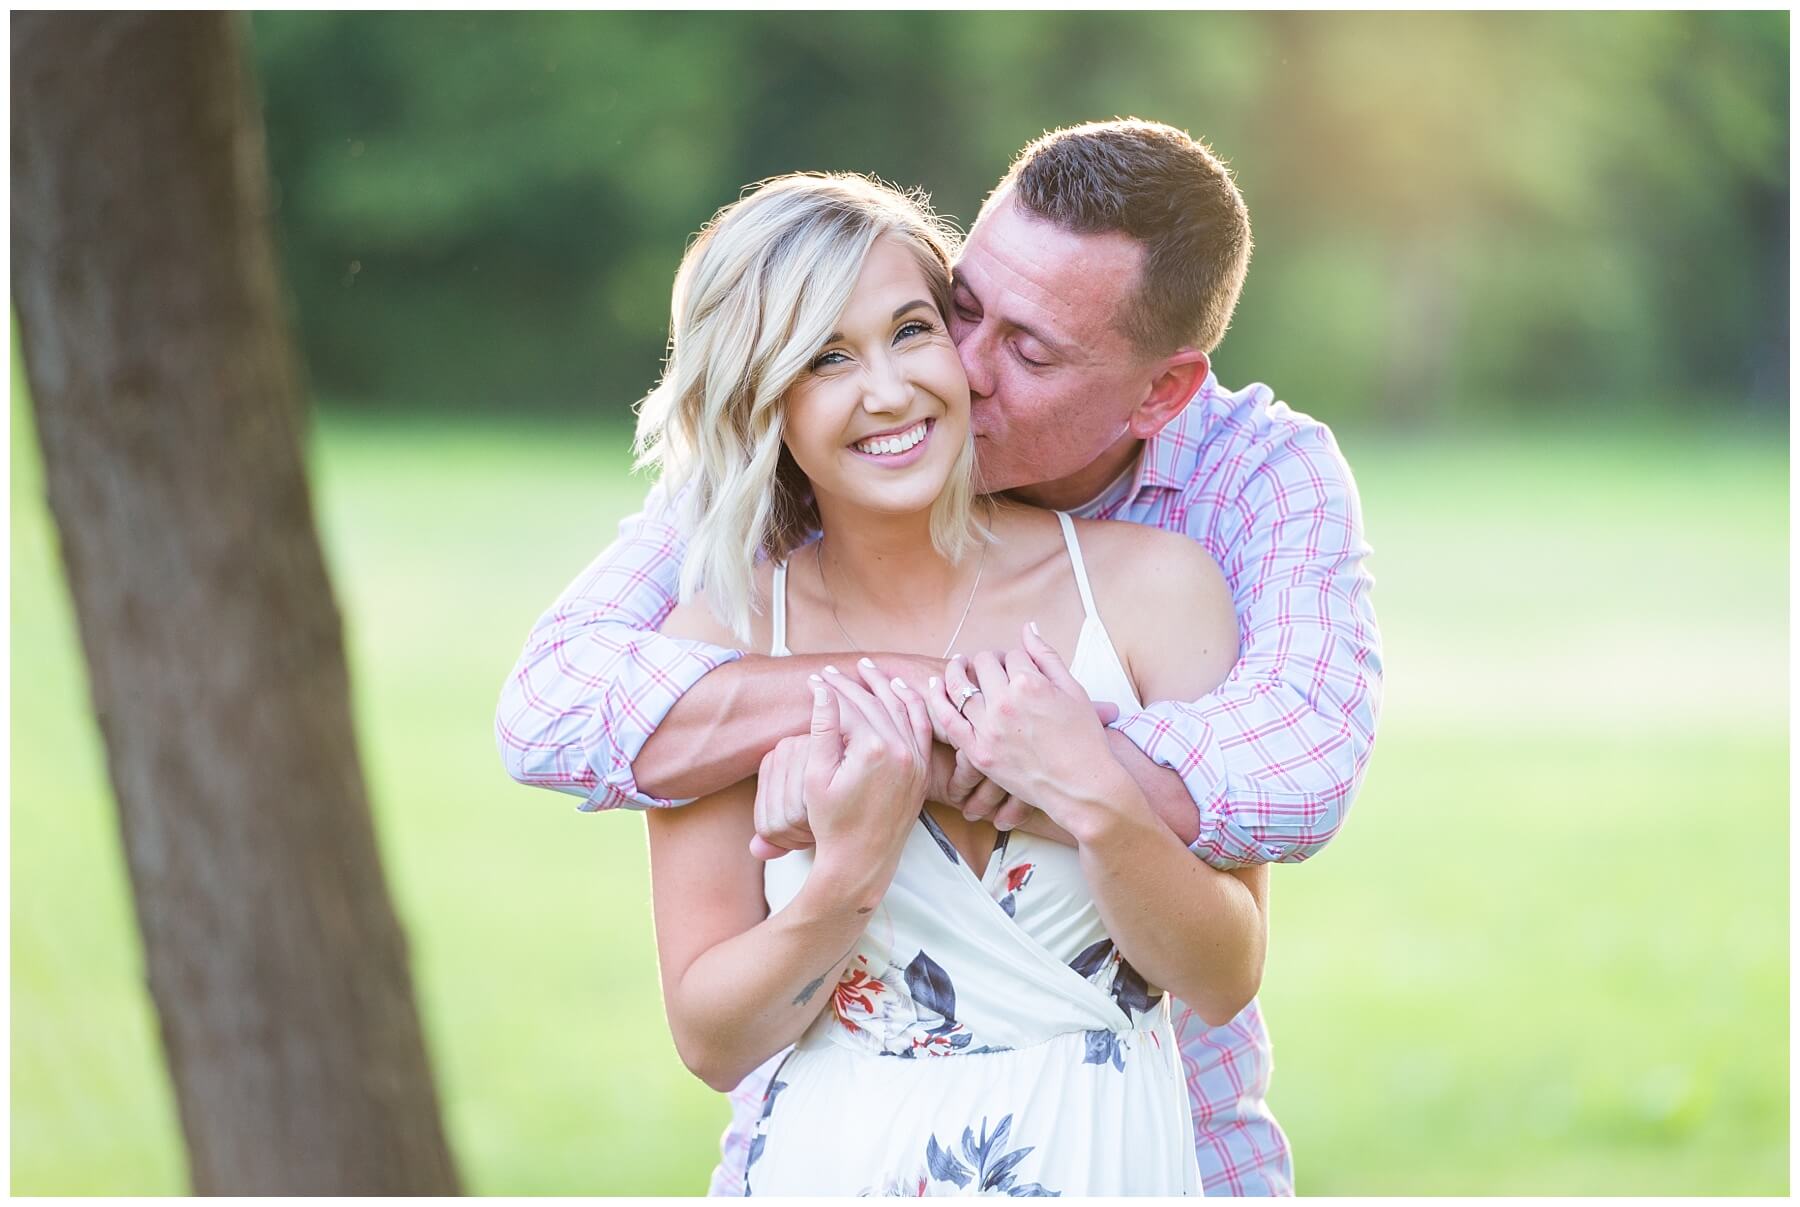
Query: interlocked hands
854	784
1023	722
1028	729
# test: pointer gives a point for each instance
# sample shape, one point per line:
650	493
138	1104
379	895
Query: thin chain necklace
819	556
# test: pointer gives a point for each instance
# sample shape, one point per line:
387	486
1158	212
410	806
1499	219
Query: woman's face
881	416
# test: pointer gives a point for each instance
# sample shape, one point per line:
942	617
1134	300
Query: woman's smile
896	447
885	392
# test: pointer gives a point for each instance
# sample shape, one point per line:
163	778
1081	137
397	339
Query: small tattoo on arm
806	993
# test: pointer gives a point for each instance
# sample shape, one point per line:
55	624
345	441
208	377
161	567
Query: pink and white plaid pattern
1274	755
1272	758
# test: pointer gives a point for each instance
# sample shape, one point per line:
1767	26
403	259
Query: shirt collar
1167	460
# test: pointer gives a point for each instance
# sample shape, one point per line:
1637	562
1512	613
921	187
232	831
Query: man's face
1052	378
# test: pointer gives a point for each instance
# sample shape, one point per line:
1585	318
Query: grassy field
1548	954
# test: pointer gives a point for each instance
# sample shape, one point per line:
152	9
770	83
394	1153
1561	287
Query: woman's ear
1177	380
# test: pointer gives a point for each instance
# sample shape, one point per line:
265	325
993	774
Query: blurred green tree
1527	209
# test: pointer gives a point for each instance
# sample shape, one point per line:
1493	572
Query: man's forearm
718	732
1168	796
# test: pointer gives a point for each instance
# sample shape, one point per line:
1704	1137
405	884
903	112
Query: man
1100	275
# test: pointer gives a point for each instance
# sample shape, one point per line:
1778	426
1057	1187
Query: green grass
1548	955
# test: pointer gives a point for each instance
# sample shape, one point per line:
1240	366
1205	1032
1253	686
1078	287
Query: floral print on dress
1100	962
934	1001
760	1135
907	1013
984	1166
853	997
1017	877
1128	988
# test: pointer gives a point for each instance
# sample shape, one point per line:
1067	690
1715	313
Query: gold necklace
819	557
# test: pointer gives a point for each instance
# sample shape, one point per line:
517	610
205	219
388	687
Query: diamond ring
969	693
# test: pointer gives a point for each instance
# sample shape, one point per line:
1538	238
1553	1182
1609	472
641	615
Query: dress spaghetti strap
1081	577
778	613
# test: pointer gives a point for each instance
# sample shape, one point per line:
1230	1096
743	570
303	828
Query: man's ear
1178	377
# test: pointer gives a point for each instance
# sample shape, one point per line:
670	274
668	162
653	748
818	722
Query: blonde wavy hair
757	296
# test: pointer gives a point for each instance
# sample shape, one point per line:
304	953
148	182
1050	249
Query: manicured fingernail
865	662
1034	628
932	683
819	695
899	685
815	679
831	670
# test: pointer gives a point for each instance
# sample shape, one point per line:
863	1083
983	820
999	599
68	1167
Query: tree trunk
167	402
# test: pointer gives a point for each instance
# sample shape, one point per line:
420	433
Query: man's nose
976	353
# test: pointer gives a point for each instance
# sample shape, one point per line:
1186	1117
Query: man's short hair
1164	189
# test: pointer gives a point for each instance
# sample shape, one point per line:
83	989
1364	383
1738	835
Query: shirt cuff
1188	747
634	716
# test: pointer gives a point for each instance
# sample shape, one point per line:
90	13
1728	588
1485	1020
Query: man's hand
973	794
1025	722
781	824
956	783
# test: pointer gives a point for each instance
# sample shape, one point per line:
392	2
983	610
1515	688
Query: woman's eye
916	327
825	360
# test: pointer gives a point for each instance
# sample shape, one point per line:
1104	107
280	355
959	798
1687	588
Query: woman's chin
895	498
900	502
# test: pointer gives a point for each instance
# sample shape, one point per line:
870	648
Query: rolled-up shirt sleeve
596	678
1274	757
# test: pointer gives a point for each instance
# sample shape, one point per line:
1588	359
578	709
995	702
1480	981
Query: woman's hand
1029	727
858	778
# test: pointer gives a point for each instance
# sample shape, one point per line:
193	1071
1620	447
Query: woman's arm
1184	925
739	984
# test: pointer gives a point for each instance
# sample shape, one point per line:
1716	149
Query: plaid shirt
1272	757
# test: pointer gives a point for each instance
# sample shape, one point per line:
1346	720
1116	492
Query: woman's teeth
888	445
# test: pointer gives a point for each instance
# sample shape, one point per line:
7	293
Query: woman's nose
886	388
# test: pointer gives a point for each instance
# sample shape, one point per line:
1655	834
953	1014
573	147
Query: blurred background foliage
1454	212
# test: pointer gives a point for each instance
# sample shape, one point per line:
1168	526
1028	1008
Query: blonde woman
967	1010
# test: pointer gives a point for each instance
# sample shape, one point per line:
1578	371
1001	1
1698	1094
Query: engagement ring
969	693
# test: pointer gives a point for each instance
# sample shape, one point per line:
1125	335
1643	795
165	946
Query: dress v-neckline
1001	839
1019	933
950	848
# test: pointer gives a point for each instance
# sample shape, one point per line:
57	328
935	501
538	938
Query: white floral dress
988	1038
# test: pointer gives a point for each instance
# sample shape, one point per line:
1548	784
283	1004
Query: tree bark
167	402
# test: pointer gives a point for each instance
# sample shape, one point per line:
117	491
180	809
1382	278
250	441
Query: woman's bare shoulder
694	620
1166	604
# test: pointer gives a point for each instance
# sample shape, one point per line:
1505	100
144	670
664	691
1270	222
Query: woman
970	1010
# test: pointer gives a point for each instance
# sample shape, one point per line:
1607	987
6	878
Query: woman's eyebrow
915	304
